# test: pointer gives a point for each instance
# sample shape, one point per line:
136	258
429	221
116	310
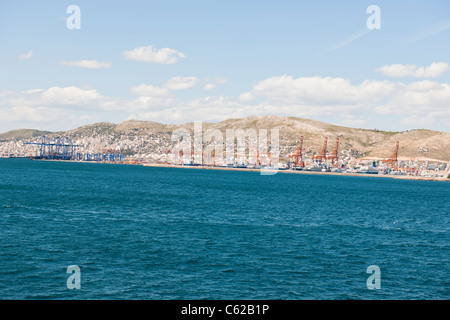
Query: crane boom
323	153
298	156
334	155
393	160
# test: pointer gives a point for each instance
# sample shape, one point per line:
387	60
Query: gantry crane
55	148
323	153
334	156
393	160
298	156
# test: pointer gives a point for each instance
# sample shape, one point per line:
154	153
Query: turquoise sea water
169	233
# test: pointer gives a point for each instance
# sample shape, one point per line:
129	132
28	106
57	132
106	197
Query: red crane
334	155
298	156
393	159
323	153
258	160
269	157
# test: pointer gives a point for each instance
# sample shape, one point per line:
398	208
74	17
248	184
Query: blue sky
178	61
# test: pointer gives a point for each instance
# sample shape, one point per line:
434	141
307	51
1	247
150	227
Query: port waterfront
205	150
380	175
429	175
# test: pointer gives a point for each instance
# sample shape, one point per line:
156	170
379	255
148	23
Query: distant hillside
371	143
22	134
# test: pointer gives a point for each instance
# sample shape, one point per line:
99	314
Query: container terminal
336	161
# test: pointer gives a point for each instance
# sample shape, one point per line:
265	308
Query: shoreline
158	165
405	177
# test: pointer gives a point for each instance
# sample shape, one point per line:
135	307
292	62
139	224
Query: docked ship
368	170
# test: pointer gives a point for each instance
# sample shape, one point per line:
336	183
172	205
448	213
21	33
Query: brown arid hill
370	143
425	144
22	134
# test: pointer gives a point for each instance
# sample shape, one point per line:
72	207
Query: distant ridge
22	134
374	143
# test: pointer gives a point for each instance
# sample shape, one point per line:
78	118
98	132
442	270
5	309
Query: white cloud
150	54
418	121
176	83
337	98
246	97
58	98
354	122
418	104
144	103
425	98
209	86
150	98
59	108
317	91
397	70
26	56
149	91
89	64
220	80
181	83
27	114
436	69
204	109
